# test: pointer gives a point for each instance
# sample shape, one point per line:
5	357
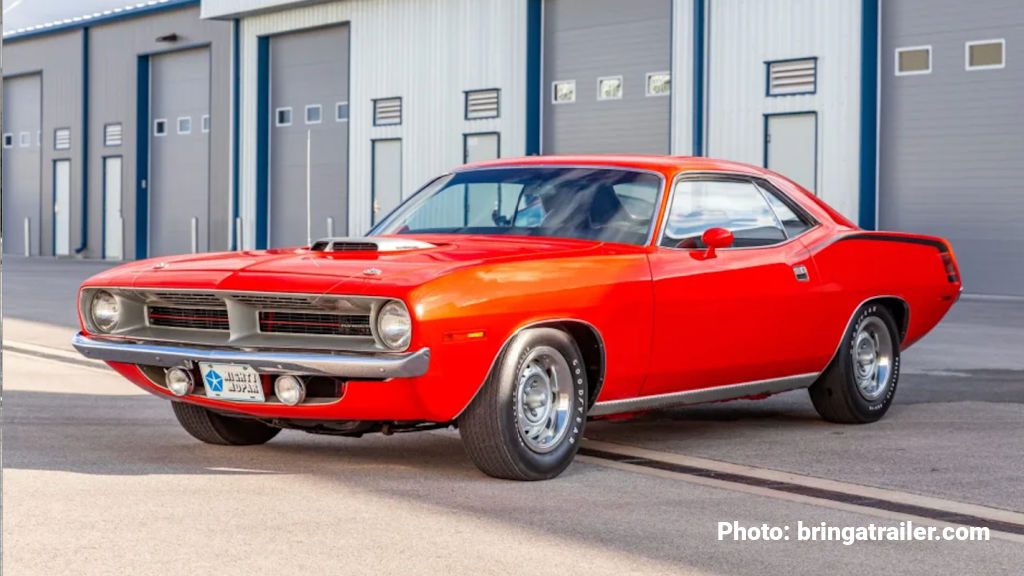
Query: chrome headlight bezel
393	326
110	320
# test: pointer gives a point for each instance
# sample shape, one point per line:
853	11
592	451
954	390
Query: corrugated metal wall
426	51
58	60
114	51
952	140
742	36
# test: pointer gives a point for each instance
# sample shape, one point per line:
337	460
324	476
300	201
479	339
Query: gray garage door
952	139
599	56
21	162
309	103
179	188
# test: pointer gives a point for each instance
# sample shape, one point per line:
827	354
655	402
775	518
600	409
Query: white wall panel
682	77
426	51
743	35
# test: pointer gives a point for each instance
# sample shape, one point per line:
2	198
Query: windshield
606	204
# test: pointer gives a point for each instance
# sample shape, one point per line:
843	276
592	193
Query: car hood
302	270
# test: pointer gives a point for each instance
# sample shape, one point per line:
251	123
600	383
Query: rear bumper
349	366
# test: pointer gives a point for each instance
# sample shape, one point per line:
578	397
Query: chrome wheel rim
543	399
872	358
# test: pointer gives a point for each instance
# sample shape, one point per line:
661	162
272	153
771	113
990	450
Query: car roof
657	163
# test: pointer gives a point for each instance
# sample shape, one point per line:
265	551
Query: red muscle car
515	299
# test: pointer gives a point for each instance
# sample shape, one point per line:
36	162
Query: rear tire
212	428
527	420
859	385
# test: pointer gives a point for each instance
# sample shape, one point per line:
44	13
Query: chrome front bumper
355	366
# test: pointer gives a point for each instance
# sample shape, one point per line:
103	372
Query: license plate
232	382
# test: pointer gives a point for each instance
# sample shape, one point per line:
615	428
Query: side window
793	223
738	206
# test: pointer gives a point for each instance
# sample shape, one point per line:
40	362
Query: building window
563	92
609	88
314	114
985	54
205	123
160	127
8	140
387	111
113	134
341	112
790	77
913	60
481	104
25	139
659	84
283	117
62	139
185	125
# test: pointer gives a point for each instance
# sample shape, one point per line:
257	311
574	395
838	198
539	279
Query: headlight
104	310
394	327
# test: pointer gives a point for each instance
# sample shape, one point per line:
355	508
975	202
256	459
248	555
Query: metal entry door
113	221
791	147
387	177
62	207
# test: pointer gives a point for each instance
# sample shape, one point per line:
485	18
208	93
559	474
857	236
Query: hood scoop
369	245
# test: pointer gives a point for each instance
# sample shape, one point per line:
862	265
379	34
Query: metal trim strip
703	395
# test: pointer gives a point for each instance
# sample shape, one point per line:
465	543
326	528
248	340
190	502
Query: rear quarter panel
856	266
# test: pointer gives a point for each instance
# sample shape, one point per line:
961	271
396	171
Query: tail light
952	273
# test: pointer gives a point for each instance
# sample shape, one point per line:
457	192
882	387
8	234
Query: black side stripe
819	493
882	237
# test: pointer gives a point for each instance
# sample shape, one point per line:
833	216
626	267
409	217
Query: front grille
195	318
278	320
187	299
282	322
277	302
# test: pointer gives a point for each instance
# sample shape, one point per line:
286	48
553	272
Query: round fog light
179	381
290	390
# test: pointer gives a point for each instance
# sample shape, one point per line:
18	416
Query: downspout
85	142
534	25
698	77
868	205
236	73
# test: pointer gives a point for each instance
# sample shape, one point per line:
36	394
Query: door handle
800	271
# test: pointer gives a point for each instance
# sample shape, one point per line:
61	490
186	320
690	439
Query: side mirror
715	238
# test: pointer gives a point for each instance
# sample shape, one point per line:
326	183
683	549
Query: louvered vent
62	139
112	135
482	104
387	112
792	77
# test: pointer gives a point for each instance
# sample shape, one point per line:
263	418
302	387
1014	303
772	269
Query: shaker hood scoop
364	244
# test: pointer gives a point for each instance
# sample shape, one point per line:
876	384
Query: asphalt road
99	478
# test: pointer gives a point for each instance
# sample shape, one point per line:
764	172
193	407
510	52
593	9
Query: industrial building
117	134
322	116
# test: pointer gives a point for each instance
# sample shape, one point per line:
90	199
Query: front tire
527	420
859	386
212	428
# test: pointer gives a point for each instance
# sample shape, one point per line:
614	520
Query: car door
737	316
